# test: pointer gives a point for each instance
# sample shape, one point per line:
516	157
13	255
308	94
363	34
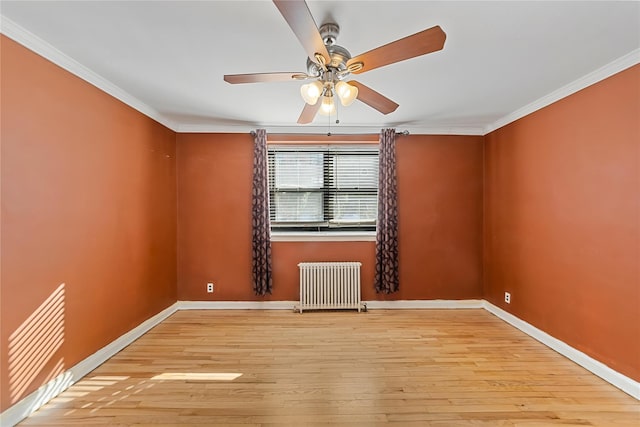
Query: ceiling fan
329	64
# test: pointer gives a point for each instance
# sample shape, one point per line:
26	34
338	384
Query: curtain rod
403	132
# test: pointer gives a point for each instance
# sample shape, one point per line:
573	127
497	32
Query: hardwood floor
384	367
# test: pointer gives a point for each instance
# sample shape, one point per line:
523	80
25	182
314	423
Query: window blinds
323	187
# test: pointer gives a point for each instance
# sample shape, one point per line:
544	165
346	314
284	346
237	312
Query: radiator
329	285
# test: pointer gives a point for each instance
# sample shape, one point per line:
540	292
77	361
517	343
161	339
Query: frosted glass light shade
328	107
311	92
346	93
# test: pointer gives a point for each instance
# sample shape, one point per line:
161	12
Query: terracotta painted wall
214	215
88	220
440	203
562	220
440	217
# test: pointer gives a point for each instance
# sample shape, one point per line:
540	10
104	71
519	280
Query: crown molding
47	51
618	65
334	130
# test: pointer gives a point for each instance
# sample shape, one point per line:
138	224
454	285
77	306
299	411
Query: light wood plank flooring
279	368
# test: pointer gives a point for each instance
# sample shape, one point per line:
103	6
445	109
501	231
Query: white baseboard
290	305
428	304
31	403
611	376
236	305
35	400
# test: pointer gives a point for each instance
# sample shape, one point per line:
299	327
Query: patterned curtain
386	278
261	233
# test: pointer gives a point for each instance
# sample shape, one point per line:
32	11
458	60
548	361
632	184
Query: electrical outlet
209	287
507	297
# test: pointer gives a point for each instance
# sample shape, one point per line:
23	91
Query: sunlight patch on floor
197	376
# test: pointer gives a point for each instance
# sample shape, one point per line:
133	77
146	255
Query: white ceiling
167	58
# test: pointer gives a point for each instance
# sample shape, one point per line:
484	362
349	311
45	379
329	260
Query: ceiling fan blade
374	99
263	77
309	113
299	18
427	41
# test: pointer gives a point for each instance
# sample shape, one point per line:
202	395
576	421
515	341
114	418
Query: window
323	188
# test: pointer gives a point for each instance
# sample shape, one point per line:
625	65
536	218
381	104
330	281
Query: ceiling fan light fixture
311	92
328	107
347	93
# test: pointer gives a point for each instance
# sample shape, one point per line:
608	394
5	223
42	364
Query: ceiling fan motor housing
338	54
338	61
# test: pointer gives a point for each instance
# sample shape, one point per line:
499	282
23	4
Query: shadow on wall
35	343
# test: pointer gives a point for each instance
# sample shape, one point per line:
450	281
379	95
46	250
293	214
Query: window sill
323	236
